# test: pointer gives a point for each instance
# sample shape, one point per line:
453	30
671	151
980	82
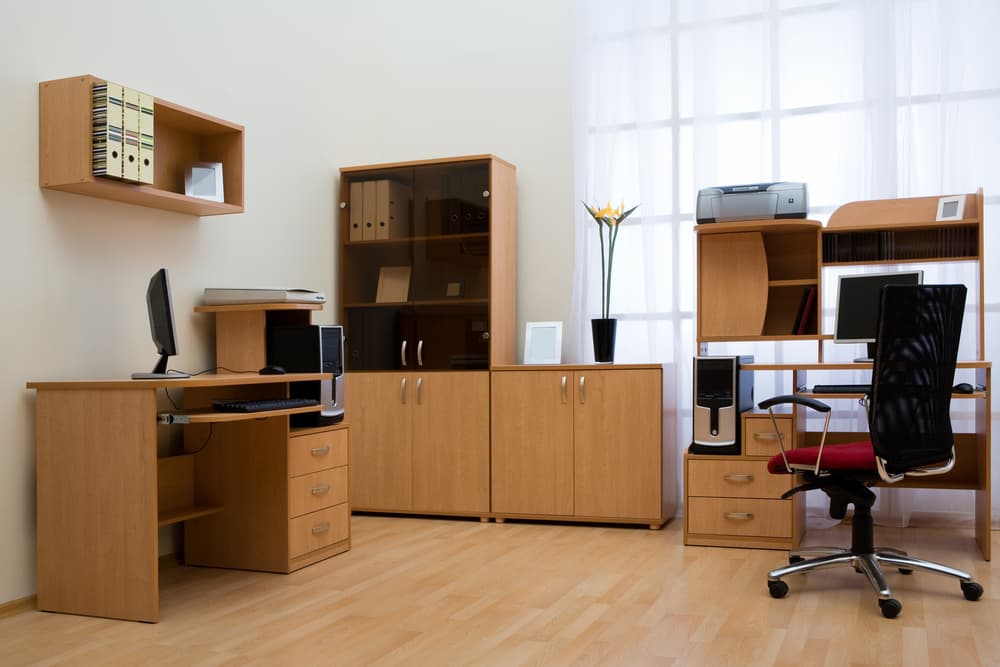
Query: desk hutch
751	278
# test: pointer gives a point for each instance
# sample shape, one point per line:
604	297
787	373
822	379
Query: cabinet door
732	284
451	442
532	442
378	406
618	434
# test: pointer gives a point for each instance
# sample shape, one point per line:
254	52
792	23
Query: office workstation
460	495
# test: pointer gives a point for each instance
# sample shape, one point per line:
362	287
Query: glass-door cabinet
428	256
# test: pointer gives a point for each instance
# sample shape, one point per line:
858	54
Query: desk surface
206	380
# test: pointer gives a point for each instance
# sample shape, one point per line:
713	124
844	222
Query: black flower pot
603	330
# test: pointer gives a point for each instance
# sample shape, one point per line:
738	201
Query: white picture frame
543	343
204	181
950	208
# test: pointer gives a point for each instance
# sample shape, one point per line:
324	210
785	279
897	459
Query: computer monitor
857	305
161	326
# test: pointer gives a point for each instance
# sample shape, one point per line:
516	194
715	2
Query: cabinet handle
486	193
321	528
765	435
319	490
583	394
734	477
563	388
320	451
739	516
420	383
420	352
402	391
402	354
343	204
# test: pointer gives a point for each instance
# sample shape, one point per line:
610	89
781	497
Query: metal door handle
583	394
402	391
319	490
420	383
734	477
420	352
321	528
320	451
562	388
402	354
765	435
739	516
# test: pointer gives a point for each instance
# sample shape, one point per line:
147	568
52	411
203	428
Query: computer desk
103	490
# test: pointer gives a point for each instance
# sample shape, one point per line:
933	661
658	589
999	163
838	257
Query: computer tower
722	390
311	348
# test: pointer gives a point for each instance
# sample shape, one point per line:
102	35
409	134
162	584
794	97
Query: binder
106	121
356	204
368	198
145	138
391	208
130	129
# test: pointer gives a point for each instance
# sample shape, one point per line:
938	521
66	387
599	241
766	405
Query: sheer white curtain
859	99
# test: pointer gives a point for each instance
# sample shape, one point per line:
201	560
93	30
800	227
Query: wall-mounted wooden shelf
181	136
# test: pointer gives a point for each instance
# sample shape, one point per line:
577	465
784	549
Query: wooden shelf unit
748	274
181	136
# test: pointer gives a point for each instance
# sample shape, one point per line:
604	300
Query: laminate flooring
415	591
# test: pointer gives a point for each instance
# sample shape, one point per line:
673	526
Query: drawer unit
316	451
318	529
759	438
736	478
308	493
746	517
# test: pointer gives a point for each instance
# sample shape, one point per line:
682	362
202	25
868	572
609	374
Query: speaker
722	390
311	348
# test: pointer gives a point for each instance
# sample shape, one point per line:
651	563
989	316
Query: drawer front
317	530
308	493
316	451
746	517
759	438
738	478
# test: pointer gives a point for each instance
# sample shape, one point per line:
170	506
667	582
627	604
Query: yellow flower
611	218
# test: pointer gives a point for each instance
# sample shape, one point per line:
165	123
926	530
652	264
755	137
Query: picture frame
543	343
950	208
454	289
393	284
204	181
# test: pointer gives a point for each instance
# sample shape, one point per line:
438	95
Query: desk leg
984	491
97	514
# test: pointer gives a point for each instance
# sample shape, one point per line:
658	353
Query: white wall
318	85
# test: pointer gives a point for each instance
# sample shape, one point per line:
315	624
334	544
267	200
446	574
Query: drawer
308	493
759	438
317	451
746	517
317	530
738	478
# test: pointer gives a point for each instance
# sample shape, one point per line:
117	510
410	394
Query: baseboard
18	606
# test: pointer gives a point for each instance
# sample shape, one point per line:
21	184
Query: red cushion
845	456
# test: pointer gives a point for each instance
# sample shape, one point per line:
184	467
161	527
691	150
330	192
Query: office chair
909	435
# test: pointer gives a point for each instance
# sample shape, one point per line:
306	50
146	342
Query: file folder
145	138
391	209
106	121
130	128
356	220
368	211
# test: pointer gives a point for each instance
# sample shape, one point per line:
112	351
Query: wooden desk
102	490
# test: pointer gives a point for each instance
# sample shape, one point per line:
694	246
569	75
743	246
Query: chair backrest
914	368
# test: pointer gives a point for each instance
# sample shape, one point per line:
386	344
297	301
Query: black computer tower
311	348
722	390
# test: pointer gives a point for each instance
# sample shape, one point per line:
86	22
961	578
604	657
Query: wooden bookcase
752	280
182	136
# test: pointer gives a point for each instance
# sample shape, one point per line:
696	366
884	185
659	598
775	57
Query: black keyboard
842	389
263	405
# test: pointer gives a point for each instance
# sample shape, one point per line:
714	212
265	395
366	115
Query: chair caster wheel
777	589
905	570
792	560
890	607
972	591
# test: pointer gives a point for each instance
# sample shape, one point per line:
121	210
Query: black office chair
909	429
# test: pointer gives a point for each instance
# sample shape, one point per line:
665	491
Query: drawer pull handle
321	528
765	435
321	489
734	477
320	451
739	516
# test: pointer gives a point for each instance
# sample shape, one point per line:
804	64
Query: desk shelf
170	517
215	417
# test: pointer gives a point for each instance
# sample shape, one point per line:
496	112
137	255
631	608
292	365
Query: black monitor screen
161	325
857	303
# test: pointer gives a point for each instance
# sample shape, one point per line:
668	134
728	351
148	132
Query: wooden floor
444	592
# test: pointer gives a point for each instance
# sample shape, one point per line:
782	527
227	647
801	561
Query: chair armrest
807	401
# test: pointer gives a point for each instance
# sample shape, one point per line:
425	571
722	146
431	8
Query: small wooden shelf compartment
181	136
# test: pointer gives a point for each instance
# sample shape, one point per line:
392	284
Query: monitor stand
160	372
870	356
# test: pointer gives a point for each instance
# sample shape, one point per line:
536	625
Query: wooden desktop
103	490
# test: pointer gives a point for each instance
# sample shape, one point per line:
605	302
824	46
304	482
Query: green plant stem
600	235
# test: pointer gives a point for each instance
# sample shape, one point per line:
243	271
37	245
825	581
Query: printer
757	201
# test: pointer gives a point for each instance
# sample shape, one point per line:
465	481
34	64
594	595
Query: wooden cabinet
421	442
579	442
428	256
181	136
